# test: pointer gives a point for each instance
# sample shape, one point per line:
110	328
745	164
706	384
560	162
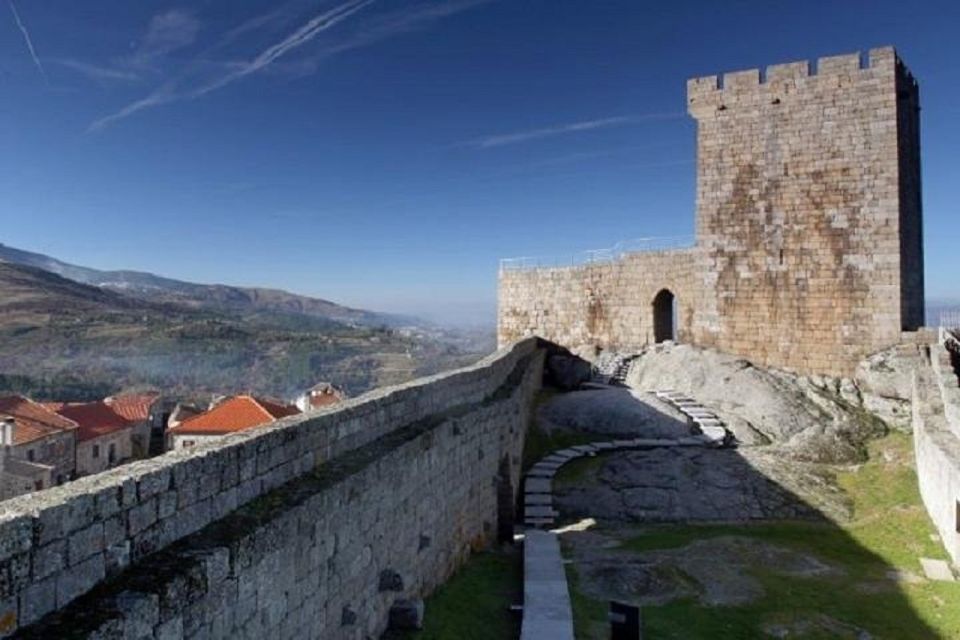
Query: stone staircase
704	420
612	367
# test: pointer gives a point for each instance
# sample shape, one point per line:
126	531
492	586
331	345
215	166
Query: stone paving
546	610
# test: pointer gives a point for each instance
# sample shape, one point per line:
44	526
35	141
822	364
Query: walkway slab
537	485
586	448
537	499
937	570
542	473
534	524
539	511
547	614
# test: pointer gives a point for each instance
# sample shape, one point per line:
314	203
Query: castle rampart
315	525
936	438
808	218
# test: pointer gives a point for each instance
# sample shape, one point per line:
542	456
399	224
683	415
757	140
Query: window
112	453
96	451
188	443
30	455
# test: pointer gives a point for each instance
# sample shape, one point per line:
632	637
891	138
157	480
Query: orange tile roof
236	414
32	420
95	419
133	406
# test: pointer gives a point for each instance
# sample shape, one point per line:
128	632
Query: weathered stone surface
695	483
759	405
413	479
568	372
808	251
613	413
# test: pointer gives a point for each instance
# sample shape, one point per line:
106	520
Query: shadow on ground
744	543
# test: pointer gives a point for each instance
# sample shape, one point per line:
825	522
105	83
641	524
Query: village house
320	395
238	413
148	413
104	438
38	447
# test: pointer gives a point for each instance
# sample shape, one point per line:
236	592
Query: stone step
539	511
537	485
538	522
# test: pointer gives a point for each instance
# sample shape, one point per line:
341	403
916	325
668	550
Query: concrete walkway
547	614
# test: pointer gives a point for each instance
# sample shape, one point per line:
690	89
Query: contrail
171	91
301	36
26	38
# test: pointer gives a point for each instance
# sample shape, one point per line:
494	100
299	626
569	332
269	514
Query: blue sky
387	153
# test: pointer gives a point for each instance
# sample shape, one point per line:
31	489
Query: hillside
218	297
54	328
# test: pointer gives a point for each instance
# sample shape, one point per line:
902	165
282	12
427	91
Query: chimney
7	426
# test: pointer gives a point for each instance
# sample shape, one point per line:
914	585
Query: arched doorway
664	316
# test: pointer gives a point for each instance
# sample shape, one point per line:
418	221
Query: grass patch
475	603
589	615
889	531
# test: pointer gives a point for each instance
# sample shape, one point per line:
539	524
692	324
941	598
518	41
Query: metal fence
950	327
599	256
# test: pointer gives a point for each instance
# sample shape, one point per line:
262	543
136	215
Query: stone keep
809	252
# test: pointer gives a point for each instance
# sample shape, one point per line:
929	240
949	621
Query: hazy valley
60	336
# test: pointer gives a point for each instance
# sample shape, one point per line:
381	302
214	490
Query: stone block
406	615
79	579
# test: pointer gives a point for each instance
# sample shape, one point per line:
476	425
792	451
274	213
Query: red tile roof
236	414
32	420
95	419
133	406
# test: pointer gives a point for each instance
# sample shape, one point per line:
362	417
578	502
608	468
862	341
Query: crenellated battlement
708	95
808	252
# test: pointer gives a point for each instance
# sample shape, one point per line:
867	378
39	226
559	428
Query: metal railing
599	256
950	327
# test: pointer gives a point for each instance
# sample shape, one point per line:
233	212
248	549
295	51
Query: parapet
713	94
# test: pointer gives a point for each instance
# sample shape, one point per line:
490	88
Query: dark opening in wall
664	316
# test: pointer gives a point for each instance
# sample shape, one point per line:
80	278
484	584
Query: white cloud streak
500	140
99	73
26	38
298	38
166	33
195	81
173	90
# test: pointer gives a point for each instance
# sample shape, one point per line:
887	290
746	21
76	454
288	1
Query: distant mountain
242	300
58	334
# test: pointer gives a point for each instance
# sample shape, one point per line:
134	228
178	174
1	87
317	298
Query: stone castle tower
809	251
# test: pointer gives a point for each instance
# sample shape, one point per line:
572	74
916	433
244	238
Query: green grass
474	604
589	615
889	530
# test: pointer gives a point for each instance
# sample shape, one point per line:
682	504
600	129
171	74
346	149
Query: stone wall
608	305
311	527
809	233
936	434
